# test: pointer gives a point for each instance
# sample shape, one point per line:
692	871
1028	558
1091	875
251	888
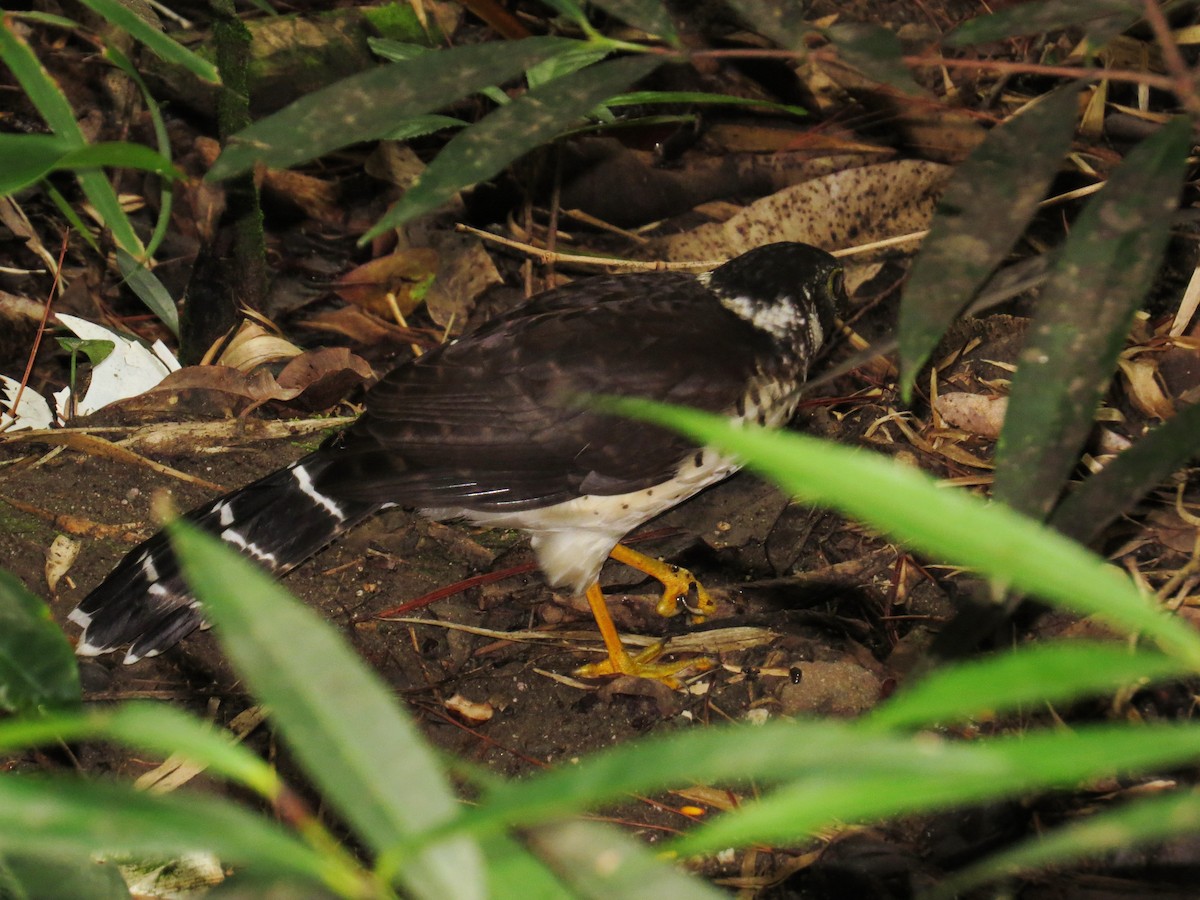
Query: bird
494	428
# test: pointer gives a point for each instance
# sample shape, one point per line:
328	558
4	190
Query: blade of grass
167	49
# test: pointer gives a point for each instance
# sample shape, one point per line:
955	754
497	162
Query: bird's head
790	290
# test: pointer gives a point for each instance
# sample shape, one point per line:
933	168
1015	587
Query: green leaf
640	98
1101	275
165	48
37	666
419	126
949	525
119	154
96	350
339	719
370	103
648	15
1038	673
599	861
508	133
43	875
149	290
1035	17
27	158
1140	821
69	816
1104	496
152	727
877	53
515	872
52	104
984	209
570	60
1004	767
780	20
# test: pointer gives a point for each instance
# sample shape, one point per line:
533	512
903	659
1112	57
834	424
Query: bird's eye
837	283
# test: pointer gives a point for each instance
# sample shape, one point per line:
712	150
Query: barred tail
278	521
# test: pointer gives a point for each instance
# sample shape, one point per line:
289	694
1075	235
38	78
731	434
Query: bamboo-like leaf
600	862
32	876
37	667
877	53
169	50
1139	822
69	816
367	105
149	290
153	727
340	720
1008	767
1111	492
986	205
780	20
50	101
949	525
1035	674
1102	273
27	158
650	16
509	132
1047	15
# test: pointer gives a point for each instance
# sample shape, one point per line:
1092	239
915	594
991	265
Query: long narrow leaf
366	106
511	131
38	671
1102	273
1139	822
338	718
50	101
1008	767
1134	473
986	205
157	728
949	525
73	817
167	49
1039	673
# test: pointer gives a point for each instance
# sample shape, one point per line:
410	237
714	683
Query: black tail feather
278	521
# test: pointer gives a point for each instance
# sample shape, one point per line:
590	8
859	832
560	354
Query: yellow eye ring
836	285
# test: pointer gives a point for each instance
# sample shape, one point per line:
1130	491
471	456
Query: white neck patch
782	319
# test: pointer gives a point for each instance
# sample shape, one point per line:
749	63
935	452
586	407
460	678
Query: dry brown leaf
973	413
323	377
848	208
363	328
60	556
398	281
253	346
1143	388
470	711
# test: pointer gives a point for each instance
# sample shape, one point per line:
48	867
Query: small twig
1183	83
37	340
1007	66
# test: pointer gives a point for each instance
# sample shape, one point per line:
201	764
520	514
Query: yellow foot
619	662
644	666
680	587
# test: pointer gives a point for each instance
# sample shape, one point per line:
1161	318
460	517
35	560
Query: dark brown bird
489	428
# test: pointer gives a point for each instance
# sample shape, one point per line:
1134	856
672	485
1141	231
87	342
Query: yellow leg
678	584
620	662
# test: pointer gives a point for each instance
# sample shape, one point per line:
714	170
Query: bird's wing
494	420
